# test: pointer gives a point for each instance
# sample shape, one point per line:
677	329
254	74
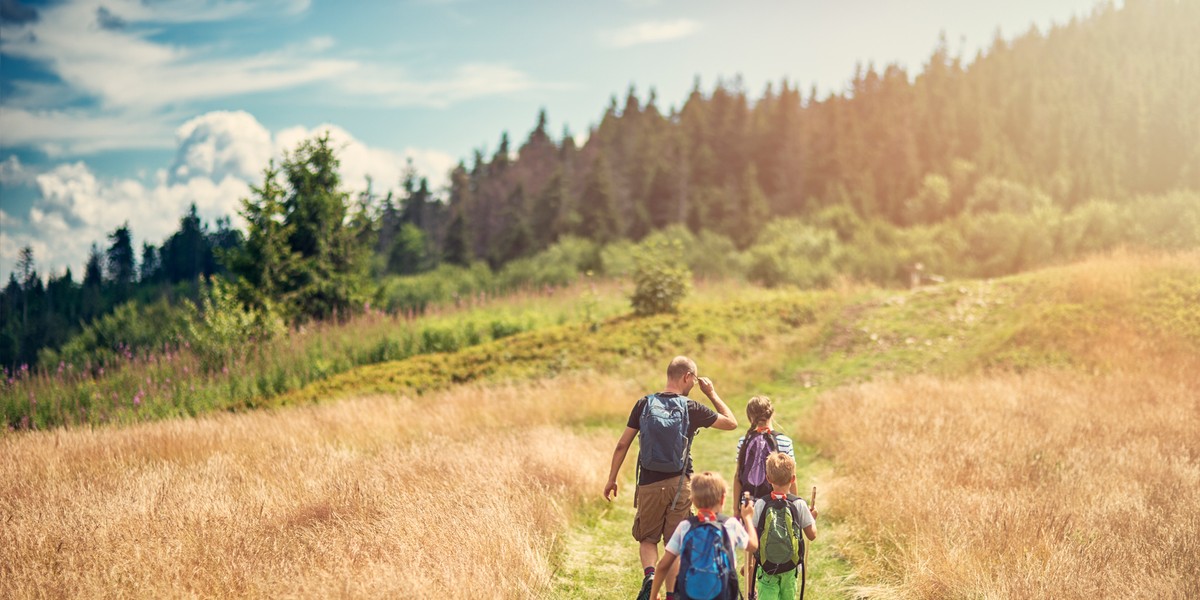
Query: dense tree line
1100	108
38	313
1072	126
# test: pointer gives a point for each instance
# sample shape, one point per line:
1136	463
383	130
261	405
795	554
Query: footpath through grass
1047	318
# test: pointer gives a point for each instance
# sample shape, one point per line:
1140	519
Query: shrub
1170	222
1001	195
439	286
130	328
661	278
932	202
225	328
618	258
1091	227
789	252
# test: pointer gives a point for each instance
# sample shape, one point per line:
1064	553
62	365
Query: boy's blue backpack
780	539
707	569
752	462
663	431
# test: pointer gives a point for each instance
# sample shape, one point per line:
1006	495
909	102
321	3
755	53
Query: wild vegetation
1053	404
938	167
1018	423
1072	478
221	369
374	496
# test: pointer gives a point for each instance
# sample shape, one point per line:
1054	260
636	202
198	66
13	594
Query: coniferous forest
1044	147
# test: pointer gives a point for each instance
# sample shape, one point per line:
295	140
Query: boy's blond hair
781	468
708	490
759	409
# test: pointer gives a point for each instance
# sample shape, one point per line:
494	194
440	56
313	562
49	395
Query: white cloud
121	87
107	53
75	209
14	173
218	156
56	132
393	86
648	32
358	161
123	69
220	144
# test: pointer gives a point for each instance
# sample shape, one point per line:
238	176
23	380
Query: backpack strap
791	503
637	473
687	451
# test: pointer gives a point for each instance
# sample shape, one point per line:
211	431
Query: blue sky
116	111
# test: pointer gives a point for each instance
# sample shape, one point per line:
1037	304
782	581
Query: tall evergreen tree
599	219
121	268
265	266
330	270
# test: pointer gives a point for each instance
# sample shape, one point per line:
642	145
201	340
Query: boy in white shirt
708	496
781	472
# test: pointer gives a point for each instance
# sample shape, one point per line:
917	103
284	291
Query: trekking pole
804	561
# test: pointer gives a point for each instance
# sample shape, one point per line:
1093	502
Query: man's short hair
708	490
781	468
680	366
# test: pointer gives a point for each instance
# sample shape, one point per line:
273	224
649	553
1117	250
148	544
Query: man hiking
667	421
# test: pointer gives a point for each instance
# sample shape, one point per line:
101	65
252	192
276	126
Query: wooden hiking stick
804	561
750	566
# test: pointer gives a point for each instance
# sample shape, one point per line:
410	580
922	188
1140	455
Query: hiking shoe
646	583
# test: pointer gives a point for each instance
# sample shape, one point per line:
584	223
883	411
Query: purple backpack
752	462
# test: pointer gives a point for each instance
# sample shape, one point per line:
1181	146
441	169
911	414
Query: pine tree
121	268
331	267
599	219
265	266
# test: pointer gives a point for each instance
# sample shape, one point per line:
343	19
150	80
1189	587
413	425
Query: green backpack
780	540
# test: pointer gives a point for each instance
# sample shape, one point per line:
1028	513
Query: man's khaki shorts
655	520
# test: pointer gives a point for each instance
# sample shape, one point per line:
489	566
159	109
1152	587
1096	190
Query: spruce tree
599	219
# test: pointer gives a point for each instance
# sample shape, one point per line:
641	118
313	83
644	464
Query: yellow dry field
457	494
1048	484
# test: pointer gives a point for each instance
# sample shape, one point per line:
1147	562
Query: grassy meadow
1024	437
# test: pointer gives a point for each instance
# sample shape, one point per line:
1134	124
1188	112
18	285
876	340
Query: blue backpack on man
664	437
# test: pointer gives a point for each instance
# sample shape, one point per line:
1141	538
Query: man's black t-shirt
698	416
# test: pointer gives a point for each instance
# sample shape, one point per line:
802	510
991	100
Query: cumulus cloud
76	208
648	32
218	155
359	161
14	173
220	144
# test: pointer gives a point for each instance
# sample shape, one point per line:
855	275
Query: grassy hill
977	438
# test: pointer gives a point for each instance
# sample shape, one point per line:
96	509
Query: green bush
224	328
1090	227
932	202
789	252
1001	195
1170	222
439	286
618	258
130	328
661	278
558	265
1003	243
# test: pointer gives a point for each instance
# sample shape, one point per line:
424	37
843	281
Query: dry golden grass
1050	484
457	494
